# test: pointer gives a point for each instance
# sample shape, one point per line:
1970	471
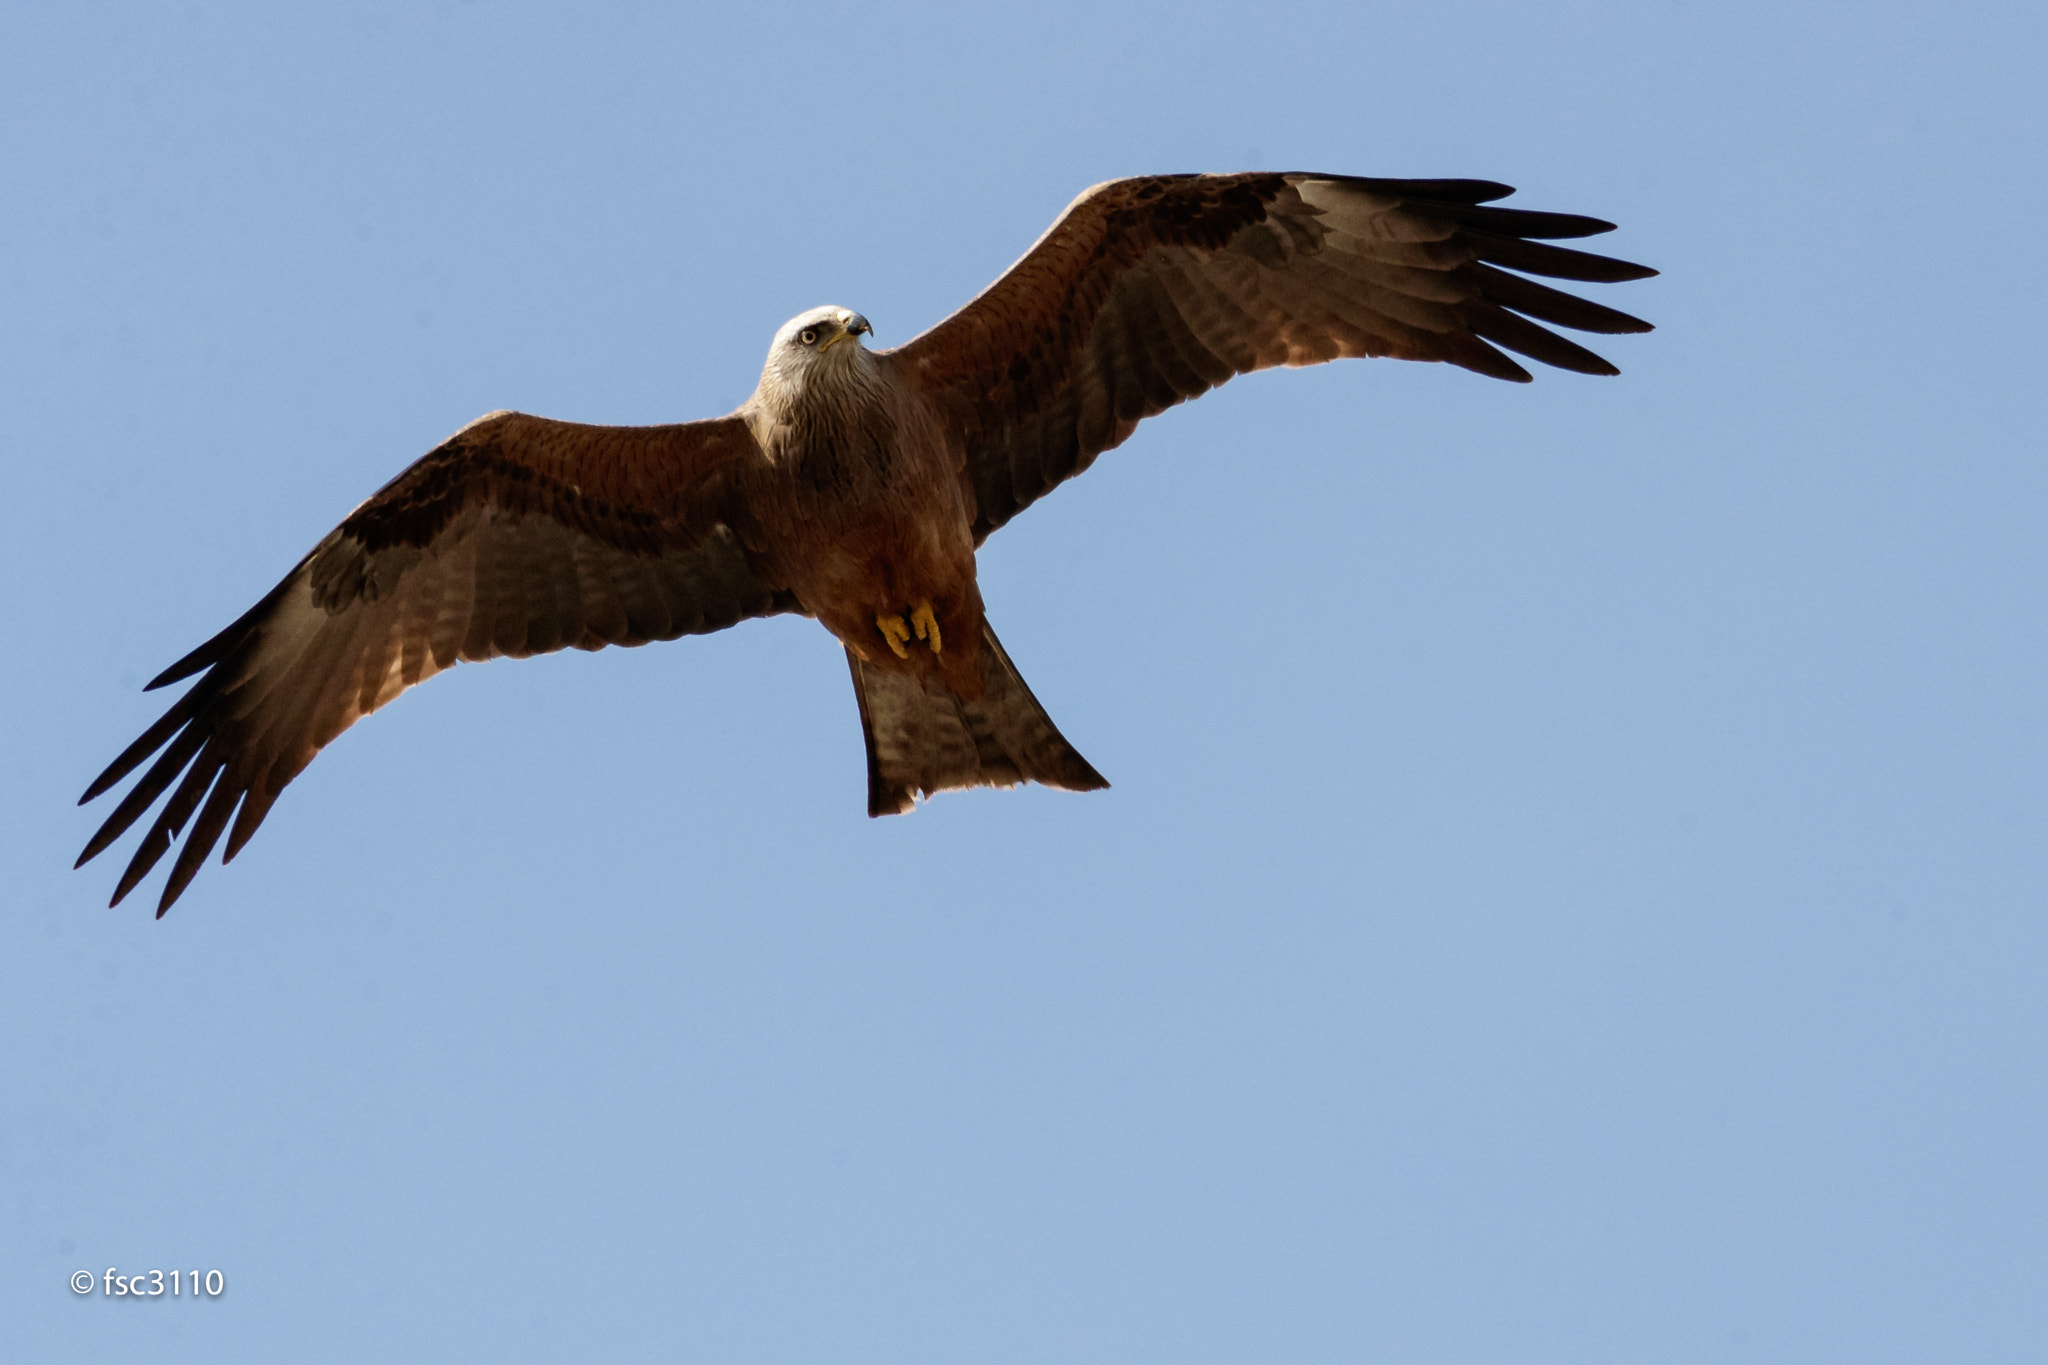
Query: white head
820	345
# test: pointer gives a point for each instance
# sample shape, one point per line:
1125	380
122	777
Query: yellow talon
927	625
895	632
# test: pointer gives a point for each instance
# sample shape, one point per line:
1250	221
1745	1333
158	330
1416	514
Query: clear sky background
1574	888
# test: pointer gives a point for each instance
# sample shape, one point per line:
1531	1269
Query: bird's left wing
517	536
1150	291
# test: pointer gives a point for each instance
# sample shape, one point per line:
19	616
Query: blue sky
1574	883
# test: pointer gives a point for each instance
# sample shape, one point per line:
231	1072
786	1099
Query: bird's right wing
517	536
1147	292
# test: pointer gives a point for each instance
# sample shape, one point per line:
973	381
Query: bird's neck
838	395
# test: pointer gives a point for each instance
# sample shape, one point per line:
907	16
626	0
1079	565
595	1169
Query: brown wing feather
517	536
1147	292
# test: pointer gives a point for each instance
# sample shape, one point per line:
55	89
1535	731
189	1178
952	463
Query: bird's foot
923	623
926	625
896	632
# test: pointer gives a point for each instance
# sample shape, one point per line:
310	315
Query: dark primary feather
1150	291
517	536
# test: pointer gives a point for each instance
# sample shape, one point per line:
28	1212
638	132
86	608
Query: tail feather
922	739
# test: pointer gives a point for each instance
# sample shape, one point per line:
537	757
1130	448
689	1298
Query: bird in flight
854	486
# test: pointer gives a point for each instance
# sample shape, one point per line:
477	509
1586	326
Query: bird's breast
870	519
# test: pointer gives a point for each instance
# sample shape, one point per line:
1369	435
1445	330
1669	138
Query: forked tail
922	739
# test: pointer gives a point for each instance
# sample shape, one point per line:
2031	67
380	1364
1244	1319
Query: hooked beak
855	325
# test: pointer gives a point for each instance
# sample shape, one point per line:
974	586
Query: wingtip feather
146	856
198	660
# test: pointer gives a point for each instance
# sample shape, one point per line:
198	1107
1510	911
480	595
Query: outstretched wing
1150	291
517	536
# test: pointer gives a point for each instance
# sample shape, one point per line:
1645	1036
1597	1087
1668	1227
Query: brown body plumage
859	505
853	486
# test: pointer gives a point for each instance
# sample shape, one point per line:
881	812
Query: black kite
854	486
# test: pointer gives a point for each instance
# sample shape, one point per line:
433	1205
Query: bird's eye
808	336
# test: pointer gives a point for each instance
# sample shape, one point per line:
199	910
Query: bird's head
814	346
